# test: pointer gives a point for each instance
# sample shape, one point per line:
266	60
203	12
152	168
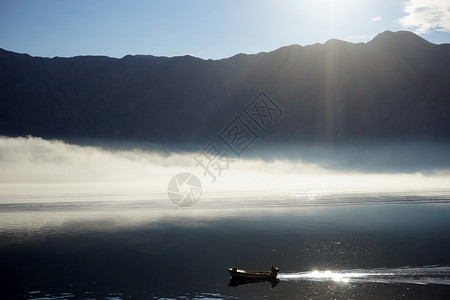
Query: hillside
395	86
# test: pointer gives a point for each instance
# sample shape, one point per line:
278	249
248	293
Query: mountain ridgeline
395	86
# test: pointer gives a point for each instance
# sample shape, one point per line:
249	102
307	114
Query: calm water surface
377	246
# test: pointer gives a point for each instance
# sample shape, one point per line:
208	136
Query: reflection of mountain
397	85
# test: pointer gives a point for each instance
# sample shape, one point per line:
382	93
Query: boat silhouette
240	276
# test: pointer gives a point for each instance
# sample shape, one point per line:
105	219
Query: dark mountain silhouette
395	86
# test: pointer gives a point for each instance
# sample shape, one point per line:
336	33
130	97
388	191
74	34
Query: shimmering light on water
422	275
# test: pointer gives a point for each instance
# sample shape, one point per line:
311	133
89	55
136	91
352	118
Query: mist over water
36	164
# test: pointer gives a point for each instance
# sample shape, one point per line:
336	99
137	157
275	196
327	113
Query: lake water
136	246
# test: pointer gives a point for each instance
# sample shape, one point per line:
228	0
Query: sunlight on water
423	275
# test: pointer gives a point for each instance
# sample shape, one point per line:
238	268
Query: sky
206	28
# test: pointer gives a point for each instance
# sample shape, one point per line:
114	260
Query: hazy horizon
35	161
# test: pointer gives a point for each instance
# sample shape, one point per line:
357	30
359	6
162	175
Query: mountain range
396	86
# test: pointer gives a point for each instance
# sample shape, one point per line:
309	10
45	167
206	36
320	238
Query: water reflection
112	250
408	275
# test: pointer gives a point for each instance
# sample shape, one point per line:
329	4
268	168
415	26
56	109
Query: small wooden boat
237	273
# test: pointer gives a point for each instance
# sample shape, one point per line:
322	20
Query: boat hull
236	281
236	273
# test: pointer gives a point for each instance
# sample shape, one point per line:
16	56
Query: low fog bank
32	161
395	156
366	156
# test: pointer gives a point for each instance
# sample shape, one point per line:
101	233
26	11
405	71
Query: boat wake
418	275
